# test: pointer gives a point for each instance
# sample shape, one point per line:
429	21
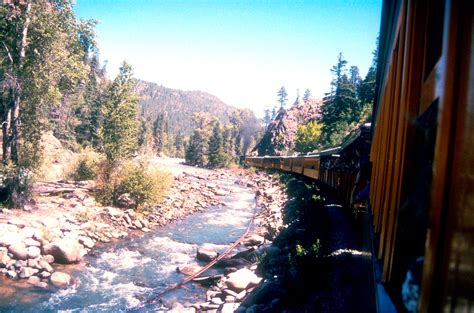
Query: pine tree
120	127
338	106
159	135
197	148
89	112
216	156
267	118
229	143
179	143
307	96
366	90
282	97
145	136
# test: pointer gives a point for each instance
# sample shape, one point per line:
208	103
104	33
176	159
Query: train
419	147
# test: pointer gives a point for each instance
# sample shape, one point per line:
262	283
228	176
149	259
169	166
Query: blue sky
240	51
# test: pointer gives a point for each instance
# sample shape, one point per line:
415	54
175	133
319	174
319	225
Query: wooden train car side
421	151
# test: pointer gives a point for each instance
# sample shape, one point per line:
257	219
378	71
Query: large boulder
64	251
86	242
45	266
254	240
126	201
60	279
4	259
242	279
19	251
206	255
220	192
7	239
48	258
188	269
26	272
33	252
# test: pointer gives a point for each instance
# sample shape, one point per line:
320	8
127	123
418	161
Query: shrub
85	166
17	183
144	186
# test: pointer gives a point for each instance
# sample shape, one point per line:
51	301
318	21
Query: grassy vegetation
144	185
295	260
84	166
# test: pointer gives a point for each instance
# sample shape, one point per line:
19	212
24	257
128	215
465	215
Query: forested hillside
178	106
52	85
311	124
281	134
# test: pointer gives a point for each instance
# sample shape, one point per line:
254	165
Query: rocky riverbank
239	270
66	223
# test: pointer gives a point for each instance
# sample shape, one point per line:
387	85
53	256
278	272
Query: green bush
85	166
144	186
17	183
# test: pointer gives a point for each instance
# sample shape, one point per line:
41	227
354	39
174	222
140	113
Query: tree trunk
15	108
6	151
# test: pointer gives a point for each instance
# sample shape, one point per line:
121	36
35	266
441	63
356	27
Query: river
118	276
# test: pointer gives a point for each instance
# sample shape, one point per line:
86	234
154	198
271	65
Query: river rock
188	269
220	192
206	255
241	295
228	270
12	274
137	224
26	272
33	263
48	258
229	299
179	308
50	222
45	274
64	250
17	223
27	232
8	239
40	236
86	242
30	242
19	251
114	212
60	279
41	285
229	307
237	263
254	240
216	300
126	201
4	259
228	292
45	266
33	280
11	264
242	279
33	252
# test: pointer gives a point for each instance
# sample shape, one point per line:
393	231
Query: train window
413	218
434	38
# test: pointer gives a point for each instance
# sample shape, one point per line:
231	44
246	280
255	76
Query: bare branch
8	52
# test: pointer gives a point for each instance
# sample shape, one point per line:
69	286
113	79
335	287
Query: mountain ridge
157	99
